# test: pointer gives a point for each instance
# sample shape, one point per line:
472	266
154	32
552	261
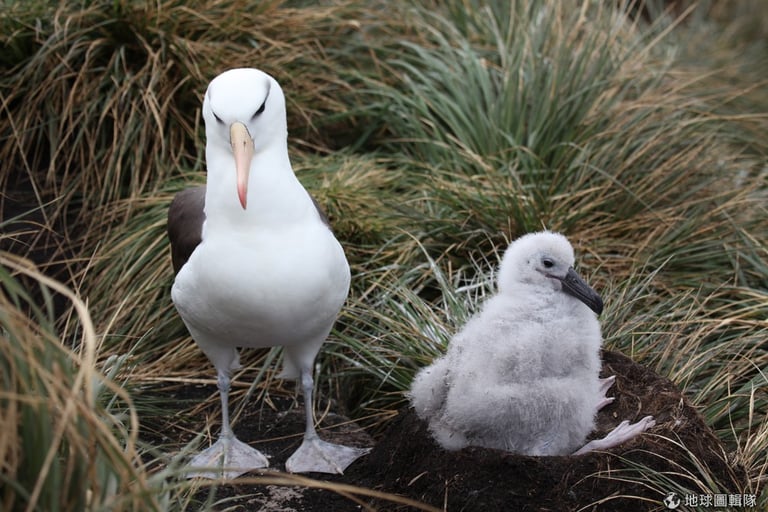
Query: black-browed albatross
256	262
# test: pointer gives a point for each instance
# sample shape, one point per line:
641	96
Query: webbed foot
621	434
316	455
231	456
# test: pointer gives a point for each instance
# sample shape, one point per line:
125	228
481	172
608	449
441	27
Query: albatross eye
218	119
548	263
261	109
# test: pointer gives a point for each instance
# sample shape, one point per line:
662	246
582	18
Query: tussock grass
388	336
101	101
463	123
687	475
62	449
603	137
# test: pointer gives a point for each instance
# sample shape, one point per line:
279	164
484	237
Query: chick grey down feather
523	373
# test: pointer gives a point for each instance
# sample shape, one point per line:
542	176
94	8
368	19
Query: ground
406	461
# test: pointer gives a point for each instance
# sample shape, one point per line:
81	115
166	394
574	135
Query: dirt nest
407	462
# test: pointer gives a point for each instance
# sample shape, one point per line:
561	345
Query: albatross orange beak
242	148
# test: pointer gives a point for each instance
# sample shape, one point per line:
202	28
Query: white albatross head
545	259
244	114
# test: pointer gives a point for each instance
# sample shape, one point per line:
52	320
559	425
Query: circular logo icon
672	501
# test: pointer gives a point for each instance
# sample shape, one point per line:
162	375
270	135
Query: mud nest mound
407	462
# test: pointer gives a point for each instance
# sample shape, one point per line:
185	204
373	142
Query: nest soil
407	462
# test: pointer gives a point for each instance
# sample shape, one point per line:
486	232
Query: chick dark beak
575	286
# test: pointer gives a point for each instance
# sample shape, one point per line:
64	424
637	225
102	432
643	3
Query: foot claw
605	385
605	401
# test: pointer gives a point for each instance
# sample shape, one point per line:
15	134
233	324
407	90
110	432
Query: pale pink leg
314	454
621	434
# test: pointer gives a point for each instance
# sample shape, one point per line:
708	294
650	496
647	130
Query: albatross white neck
275	196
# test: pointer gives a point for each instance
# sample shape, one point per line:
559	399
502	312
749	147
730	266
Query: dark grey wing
185	224
323	216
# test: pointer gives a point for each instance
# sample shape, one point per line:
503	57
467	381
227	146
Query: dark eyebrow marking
264	103
261	109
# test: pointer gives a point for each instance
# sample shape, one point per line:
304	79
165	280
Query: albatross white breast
257	263
523	374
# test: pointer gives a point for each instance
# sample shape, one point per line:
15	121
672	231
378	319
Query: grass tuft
64	447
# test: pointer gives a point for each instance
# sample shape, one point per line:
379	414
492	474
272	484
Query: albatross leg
621	434
314	454
231	456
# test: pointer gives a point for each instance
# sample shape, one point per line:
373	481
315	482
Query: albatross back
185	224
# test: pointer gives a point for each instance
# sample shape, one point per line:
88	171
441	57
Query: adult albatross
256	262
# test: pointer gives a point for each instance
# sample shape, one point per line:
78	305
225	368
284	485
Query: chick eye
261	109
548	263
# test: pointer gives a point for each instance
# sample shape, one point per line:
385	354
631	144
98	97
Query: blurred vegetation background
433	133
